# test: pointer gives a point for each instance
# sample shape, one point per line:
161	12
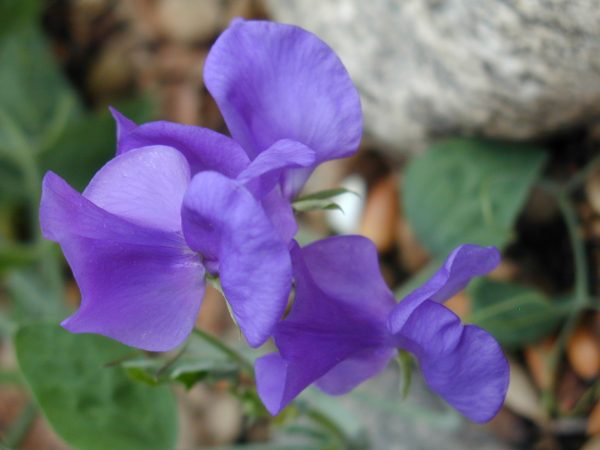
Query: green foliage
32	300
321	200
88	143
468	191
314	205
36	99
405	364
326	194
514	314
42	122
92	406
16	13
187	371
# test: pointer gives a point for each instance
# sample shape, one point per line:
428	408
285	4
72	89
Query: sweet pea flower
179	202
142	236
345	326
272	83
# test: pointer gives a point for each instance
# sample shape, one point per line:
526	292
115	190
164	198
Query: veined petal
463	364
464	263
266	169
274	81
229	227
145	185
139	285
204	149
346	268
323	330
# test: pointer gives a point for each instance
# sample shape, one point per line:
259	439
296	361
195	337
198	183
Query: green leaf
312	205
88	143
17	13
320	200
468	191
32	298
35	93
91	406
326	194
513	314
15	255
187	371
405	363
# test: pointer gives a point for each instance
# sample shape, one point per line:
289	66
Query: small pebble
583	352
381	214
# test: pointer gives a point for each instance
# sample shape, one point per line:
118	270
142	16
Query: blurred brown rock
381	213
112	73
583	352
211	417
460	304
569	391
593	425
189	21
42	436
214	317
412	254
592	190
536	357
522	398
592	444
510	427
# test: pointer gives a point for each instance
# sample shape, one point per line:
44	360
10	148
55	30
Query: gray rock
429	68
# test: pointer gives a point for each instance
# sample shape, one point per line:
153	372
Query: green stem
321	419
18	149
582	297
581	270
580	177
312	413
225	349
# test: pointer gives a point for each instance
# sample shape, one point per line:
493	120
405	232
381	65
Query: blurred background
482	125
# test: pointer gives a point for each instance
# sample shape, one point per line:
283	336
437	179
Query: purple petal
346	268
271	373
139	285
124	125
203	148
274	81
324	329
293	181
463	364
267	167
354	370
464	263
145	186
280	212
229	227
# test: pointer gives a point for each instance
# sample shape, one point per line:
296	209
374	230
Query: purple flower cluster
179	203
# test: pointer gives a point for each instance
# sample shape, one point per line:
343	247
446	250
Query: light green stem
582	297
225	349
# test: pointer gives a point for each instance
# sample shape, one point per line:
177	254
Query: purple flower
141	237
276	85
179	201
345	326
